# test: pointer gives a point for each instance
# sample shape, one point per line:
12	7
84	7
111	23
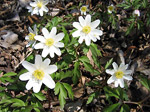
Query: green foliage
145	81
112	108
108	63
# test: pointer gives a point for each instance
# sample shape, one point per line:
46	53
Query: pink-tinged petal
111	72
95	23
97	32
25	76
29	84
40	38
127	77
115	66
59	37
59	44
45	32
39	46
88	19
76	33
77	25
82	21
45	51
41	12
49	82
111	79
121	82
51	69
87	40
37	86
38	61
29	66
53	32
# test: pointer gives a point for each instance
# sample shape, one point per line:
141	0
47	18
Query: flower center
119	74
86	29
49	42
110	8
31	36
83	9
38	74
39	4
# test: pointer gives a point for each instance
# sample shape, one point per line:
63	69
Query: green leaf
9	74
125	108
59	89
84	59
112	108
91	97
95	51
76	73
40	96
69	90
88	67
66	37
17	103
145	81
108	63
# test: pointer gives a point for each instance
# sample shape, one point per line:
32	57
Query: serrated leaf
88	67
9	74
76	73
84	59
66	37
69	90
112	108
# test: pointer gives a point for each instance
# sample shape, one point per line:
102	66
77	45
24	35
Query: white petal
35	29
82	21
38	61
51	69
59	44
77	25
93	38
45	52
45	2
33	4
115	66
25	76
41	12
87	40
29	84
111	79
123	67
29	66
121	82
127	77
47	61
88	19
95	23
97	32
57	50
76	33
30	30
51	54
111	72
53	32
81	39
116	83
40	38
49	82
37	87
127	71
59	37
45	32
35	10
39	46
45	9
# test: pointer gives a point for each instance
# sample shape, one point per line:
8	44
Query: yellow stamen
110	8
31	36
119	74
49	42
38	74
39	4
86	29
83	8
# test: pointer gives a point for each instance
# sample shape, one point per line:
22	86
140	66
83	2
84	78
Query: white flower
50	42
84	9
111	8
86	30
38	73
31	35
119	74
39	6
30	9
136	13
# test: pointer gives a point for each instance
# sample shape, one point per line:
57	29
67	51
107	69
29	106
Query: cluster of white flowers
87	31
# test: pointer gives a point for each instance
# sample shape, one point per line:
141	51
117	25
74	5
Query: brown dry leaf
89	55
78	92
